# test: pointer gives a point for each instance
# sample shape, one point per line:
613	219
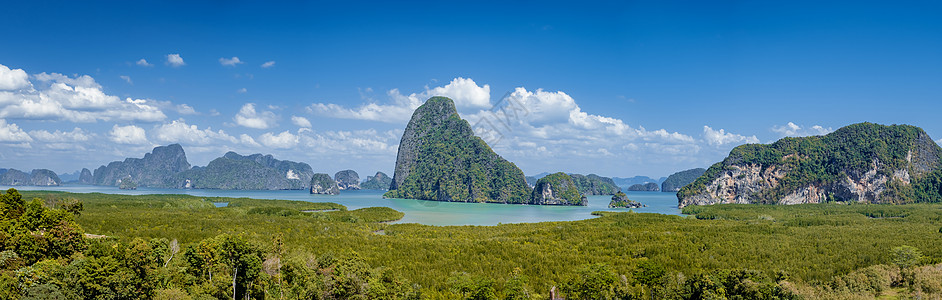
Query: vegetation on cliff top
595	185
563	188
680	179
850	151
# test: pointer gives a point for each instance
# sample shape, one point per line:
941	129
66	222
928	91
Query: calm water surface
418	211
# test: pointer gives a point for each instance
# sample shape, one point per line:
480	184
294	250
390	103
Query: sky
613	88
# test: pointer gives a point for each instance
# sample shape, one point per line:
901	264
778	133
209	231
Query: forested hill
858	163
440	159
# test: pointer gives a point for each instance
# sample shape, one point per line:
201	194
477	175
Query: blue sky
617	89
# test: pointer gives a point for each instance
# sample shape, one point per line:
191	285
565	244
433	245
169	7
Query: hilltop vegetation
595	185
680	179
728	251
860	163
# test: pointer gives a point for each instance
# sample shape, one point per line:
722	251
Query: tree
242	258
906	256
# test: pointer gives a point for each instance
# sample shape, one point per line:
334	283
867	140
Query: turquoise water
418	211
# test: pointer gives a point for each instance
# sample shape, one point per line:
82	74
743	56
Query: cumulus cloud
301	121
131	135
467	95
185	109
76	99
76	135
793	130
175	60
249	117
179	131
284	140
144	63
268	64
10	133
721	137
232	62
247	140
13	79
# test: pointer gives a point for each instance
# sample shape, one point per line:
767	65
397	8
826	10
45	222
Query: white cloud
793	130
242	90
10	133
284	140
127	78
249	117
301	121
130	134
721	137
268	64
174	60
467	95
144	63
939	142
185	109
76	135
232	62
247	140
78	99
180	132
13	79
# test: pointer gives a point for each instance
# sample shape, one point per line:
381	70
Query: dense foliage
380	181
678	180
321	183
594	184
273	248
557	189
449	163
848	152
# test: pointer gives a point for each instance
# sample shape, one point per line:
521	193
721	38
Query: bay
416	211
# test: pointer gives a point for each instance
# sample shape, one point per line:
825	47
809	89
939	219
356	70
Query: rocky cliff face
347	180
38	177
678	180
380	181
859	163
156	169
647	187
85	177
440	159
253	172
15	177
44	177
620	200
322	184
557	189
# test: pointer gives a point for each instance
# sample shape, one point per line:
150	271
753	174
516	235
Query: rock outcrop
864	162
15	177
647	187
38	177
85	177
253	172
557	189
594	184
678	180
322	184
380	181
347	180
620	200
156	169
440	159
44	177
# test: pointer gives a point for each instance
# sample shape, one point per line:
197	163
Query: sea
416	211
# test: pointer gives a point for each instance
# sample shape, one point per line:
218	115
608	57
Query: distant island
647	187
866	163
620	200
678	180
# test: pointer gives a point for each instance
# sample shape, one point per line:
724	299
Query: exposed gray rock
156	169
86	177
15	177
347	180
322	184
44	177
557	189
